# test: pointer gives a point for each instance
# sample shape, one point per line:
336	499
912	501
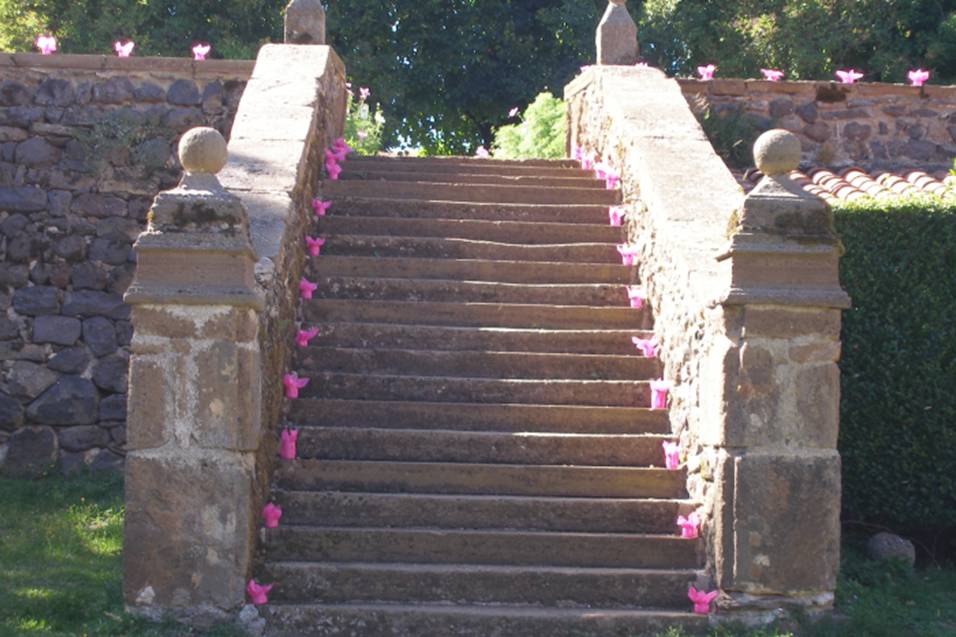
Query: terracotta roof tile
852	184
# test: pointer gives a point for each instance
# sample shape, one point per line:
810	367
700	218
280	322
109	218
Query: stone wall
874	126
746	303
86	142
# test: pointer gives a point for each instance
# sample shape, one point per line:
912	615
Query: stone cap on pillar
782	247
196	249
617	36
305	22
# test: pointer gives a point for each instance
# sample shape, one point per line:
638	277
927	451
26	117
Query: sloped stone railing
214	302
747	303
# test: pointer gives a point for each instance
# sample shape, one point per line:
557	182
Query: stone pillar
617	36
305	22
194	397
772	368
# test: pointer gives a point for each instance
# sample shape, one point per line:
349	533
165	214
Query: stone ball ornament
777	152
203	150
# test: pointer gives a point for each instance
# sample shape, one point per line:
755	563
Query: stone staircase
476	454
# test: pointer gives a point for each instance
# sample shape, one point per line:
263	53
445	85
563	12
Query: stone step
495	365
480	479
595	515
397	620
606	393
442	338
474	270
481	315
514	232
475	417
468	192
466	176
366	206
455	164
450	290
454	546
564	587
433	248
429	445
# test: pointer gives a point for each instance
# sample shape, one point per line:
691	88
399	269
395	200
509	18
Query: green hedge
898	411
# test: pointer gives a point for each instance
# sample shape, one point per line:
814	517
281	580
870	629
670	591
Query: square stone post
305	22
194	398
617	36
771	367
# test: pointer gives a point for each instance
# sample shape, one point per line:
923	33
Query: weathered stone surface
83	438
31	452
781	107
59	330
36	301
90	303
100	335
617	36
29	380
304	22
889	547
116	90
114	250
94	205
11	413
818	132
13	225
149	92
14	93
152	154
9	329
109	373
183	93
98	460
55	92
71	401
22	199
87	276
11	134
36	152
183	118
857	131
71	361
72	248
113	408
189	546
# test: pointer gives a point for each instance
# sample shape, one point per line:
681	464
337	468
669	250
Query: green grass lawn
60	544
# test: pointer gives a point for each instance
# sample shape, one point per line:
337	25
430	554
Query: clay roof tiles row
851	184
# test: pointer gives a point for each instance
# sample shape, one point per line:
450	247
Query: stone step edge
447	567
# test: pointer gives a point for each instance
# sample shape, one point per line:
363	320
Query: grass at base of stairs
60	575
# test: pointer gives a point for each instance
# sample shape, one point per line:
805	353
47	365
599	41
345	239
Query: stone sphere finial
203	150
777	152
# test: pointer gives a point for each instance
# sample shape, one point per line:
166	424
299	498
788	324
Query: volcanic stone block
59	330
71	401
29	380
31	452
100	335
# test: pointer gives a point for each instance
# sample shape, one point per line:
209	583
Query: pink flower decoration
612	181
361	134
601	170
577	153
918	77
648	346
772	75
293	384
364	93
706	72
637	296
514	112
628	253
314	246
659	391
482	152
304	337
321	207
307	288
200	51
701	600
287	442
689	526
671	456
271	514
124	50
258	595
46	44
616	216
340	144
588	161
849	76
333	170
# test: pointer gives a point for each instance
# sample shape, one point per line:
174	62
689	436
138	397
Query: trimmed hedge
898	410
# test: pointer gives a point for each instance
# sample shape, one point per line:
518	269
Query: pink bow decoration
772	75
332	168
628	253
307	289
271	514
287	443
304	337
293	384
340	145
314	245
701	600
648	346
482	152
321	207
706	72
258	594
601	170
612	181
200	51
848	76
918	77
514	112
689	526
671	456
46	44
637	296
124	50
577	154
616	216
659	391
588	161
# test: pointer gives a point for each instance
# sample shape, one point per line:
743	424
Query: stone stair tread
491	193
454	160
487	479
466	176
477	416
363	205
477	249
516	232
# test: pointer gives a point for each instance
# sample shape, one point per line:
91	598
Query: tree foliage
540	134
